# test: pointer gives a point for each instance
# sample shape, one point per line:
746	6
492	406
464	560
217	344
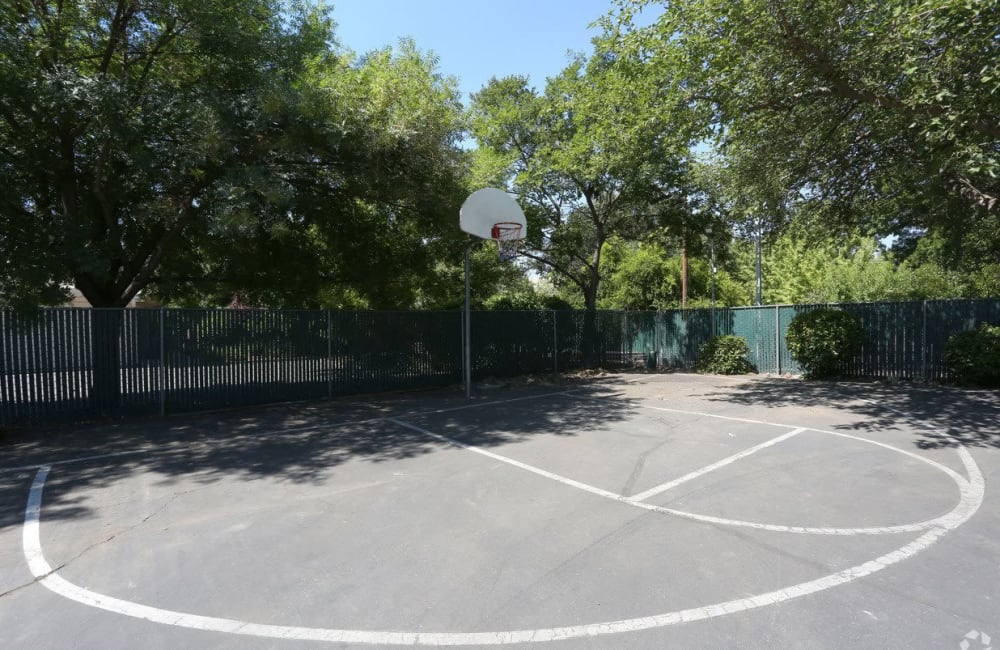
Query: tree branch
966	189
169	33
123	13
148	266
561	270
825	67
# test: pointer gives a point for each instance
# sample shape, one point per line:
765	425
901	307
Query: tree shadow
301	443
940	416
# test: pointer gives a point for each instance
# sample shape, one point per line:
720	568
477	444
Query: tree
883	114
641	276
125	125
171	142
812	267
122	126
364	221
587	159
490	278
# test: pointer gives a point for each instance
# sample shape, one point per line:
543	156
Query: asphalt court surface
628	511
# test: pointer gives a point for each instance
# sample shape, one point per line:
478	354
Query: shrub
820	340
724	355
974	356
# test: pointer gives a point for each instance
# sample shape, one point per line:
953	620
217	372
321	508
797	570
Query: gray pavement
627	511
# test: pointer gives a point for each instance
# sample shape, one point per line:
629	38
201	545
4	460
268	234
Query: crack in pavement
28	584
94	545
640	465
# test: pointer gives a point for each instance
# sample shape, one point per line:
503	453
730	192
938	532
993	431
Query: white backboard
486	207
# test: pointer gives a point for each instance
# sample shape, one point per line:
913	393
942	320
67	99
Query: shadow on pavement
941	416
297	442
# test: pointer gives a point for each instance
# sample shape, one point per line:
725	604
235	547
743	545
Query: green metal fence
75	364
903	340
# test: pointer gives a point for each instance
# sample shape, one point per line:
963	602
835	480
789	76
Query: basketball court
628	511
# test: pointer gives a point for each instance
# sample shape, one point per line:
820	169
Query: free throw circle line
960	481
958	478
690	476
43	572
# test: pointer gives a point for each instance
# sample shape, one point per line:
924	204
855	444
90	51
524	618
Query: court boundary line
965	493
709	519
47	576
947	470
516	463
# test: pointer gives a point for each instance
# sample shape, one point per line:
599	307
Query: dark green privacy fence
74	364
79	363
904	340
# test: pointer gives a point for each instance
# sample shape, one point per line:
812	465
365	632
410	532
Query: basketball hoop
488	213
507	235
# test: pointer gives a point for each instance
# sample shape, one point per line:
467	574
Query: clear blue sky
476	39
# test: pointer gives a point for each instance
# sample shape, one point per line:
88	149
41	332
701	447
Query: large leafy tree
587	159
362	221
205	149
126	125
880	113
645	275
170	142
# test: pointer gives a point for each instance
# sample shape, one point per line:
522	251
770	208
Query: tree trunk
105	384
684	271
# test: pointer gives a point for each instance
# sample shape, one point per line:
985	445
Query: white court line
963	486
79	459
958	478
663	487
972	498
961	481
510	461
491	403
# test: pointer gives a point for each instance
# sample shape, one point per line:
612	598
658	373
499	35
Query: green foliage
203	149
525	301
587	158
724	355
986	281
800	267
822	339
974	356
642	276
366	219
878	113
126	126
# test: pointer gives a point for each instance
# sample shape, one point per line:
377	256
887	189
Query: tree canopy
201	150
207	148
591	157
883	114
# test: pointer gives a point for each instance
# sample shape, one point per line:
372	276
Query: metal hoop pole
468	323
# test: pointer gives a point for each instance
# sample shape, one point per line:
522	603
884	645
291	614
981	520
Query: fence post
923	342
329	355
163	387
658	330
777	338
626	345
555	345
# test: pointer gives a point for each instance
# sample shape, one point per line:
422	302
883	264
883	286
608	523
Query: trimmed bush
820	340
724	355
974	356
